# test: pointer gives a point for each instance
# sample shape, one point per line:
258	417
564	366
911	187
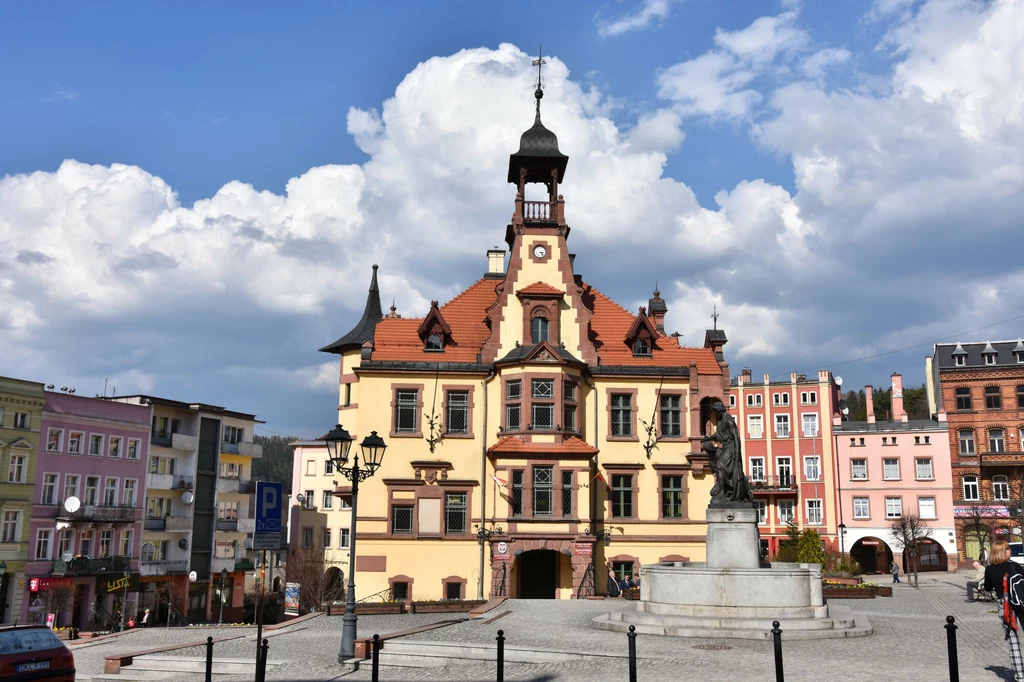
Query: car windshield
1016	549
35	639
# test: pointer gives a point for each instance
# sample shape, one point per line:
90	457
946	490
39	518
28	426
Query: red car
34	652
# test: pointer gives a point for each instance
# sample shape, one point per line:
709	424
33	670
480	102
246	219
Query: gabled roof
989	350
540	289
978	354
363	331
516	444
641	324
531	352
432	318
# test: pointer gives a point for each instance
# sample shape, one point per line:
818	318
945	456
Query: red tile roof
514	444
541	289
398	340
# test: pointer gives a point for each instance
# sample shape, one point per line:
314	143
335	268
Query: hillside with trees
915	402
276	463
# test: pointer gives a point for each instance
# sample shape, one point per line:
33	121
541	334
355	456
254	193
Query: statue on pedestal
723	447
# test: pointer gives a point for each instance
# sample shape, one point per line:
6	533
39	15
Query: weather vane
714	316
539	62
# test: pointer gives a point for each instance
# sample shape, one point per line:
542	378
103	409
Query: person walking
145	619
894	568
998	568
613	585
972	585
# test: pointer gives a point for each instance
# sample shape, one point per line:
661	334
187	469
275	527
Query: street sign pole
259	605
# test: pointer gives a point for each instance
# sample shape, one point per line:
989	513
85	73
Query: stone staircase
184	668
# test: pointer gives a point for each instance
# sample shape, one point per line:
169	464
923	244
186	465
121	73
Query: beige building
526	418
21	413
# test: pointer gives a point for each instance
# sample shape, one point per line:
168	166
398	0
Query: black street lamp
599	535
842	539
124	600
339	442
223	579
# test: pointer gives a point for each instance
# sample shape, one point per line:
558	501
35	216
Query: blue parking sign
268	507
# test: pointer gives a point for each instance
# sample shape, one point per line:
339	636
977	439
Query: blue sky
191	194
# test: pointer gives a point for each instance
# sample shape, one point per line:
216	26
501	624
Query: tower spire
539	62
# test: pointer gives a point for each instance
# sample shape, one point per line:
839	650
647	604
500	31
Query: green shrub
809	549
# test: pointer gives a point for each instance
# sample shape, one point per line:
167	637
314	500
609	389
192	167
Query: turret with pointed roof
363	331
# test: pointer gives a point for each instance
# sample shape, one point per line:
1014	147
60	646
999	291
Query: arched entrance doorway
930	556
976	541
334	585
873	555
537	574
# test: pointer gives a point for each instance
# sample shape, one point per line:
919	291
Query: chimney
869	404
495	261
748	376
898	413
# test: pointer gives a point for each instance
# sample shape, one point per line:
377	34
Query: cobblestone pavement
909	643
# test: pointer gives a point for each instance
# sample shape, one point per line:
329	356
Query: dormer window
959	360
642	348
539	329
434	342
1019	355
990	358
642	335
434	331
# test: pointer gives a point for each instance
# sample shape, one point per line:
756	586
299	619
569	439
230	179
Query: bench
112	664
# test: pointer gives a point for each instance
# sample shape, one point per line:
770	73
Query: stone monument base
732	536
687	599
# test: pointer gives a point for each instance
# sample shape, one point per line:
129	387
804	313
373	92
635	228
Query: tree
809	549
276	462
908	531
320	581
855	403
915	402
59	598
977	522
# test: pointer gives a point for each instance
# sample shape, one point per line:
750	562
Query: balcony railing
99	513
161	438
771	484
227	524
250	450
163	567
229	448
537	211
169	481
177	441
85	566
227	485
178	523
244	565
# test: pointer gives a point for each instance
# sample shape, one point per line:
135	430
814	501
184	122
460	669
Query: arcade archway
873	555
930	557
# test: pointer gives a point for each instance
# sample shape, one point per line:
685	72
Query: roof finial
539	62
714	316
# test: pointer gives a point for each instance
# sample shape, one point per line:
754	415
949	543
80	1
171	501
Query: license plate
38	665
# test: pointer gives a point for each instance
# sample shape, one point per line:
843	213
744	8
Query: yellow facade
21	411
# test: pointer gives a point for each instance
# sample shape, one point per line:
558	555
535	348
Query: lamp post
124	600
483	535
842	539
3	591
339	442
223	579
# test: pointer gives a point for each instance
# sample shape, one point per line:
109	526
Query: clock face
539	252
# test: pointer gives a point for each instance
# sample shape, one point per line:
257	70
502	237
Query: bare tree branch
908	531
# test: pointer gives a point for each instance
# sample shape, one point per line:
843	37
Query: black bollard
261	662
954	664
209	659
375	670
780	675
632	653
501	655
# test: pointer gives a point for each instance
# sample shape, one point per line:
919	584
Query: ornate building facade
527	418
979	388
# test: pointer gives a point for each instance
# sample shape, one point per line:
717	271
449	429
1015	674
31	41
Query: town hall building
539	434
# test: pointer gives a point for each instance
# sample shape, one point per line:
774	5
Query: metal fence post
954	664
632	653
375	669
501	655
209	659
780	675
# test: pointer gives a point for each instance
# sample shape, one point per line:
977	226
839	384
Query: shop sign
501	551
115	584
43	584
870	543
583	548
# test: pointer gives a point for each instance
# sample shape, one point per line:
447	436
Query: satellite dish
72	504
187	498
839	381
846	410
183	543
192	576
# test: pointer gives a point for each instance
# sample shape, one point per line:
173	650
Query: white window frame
134	501
853	469
778	468
124	543
931	469
921	510
110	447
755	420
138	450
808	397
786	504
959	360
18	465
48	554
893	507
816	518
107	488
782	420
102	440
757	463
810	460
885	469
78	482
81	442
866	504
60	440
762	511
732	400
813	417
23	420
53	489
5	523
970	481
1002	492
990	358
327	500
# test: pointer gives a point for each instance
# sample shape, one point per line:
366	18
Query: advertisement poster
50	617
291	599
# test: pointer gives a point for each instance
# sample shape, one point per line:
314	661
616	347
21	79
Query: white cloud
755	331
642	17
816	65
61	93
765	38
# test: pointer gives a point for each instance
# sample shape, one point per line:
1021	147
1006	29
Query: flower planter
454	606
847	593
371	609
883	590
844	581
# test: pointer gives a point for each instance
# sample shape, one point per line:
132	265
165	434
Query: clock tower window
539	329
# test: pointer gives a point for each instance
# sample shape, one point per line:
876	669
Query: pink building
86	515
889	468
